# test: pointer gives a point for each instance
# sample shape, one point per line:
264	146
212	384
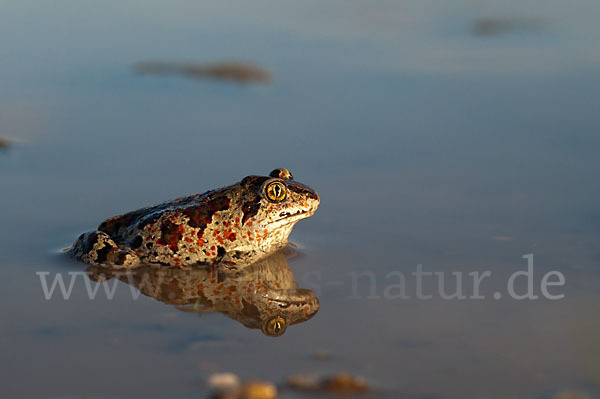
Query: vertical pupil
276	191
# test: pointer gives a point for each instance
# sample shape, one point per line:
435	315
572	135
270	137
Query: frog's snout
313	204
305	194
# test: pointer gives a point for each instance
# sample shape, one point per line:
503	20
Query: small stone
322	355
304	382
570	395
5	143
340	383
223	382
258	390
344	382
240	72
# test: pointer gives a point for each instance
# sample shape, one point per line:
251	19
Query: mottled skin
264	295
233	225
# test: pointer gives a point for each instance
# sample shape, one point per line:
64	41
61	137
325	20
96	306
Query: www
66	292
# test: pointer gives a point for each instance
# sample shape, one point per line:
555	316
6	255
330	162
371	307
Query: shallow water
428	144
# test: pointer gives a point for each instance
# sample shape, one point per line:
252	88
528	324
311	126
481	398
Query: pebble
5	143
258	390
229	386
570	395
346	383
240	72
322	355
340	383
304	382
223	381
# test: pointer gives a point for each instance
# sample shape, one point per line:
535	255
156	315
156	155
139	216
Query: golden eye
275	326
276	191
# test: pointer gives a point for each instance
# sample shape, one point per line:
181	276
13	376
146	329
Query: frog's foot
97	248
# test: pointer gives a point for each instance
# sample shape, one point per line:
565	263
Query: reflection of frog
263	295
233	225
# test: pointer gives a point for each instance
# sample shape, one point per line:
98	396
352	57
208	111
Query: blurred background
460	135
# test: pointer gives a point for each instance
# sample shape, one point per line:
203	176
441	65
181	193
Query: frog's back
117	226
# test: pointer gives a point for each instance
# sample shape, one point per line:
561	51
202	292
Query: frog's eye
275	327
276	191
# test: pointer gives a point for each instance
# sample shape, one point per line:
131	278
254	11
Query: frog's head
287	307
273	204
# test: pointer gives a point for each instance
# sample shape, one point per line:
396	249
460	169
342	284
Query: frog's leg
97	248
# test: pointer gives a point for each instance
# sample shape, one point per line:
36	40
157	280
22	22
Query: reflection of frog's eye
275	327
276	191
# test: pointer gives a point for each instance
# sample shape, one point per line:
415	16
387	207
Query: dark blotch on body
255	181
250	310
121	258
169	235
250	209
103	253
201	216
88	243
136	242
113	226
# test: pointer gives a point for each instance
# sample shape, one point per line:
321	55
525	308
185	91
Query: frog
232	226
264	295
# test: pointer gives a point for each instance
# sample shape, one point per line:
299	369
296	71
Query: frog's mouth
286	218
